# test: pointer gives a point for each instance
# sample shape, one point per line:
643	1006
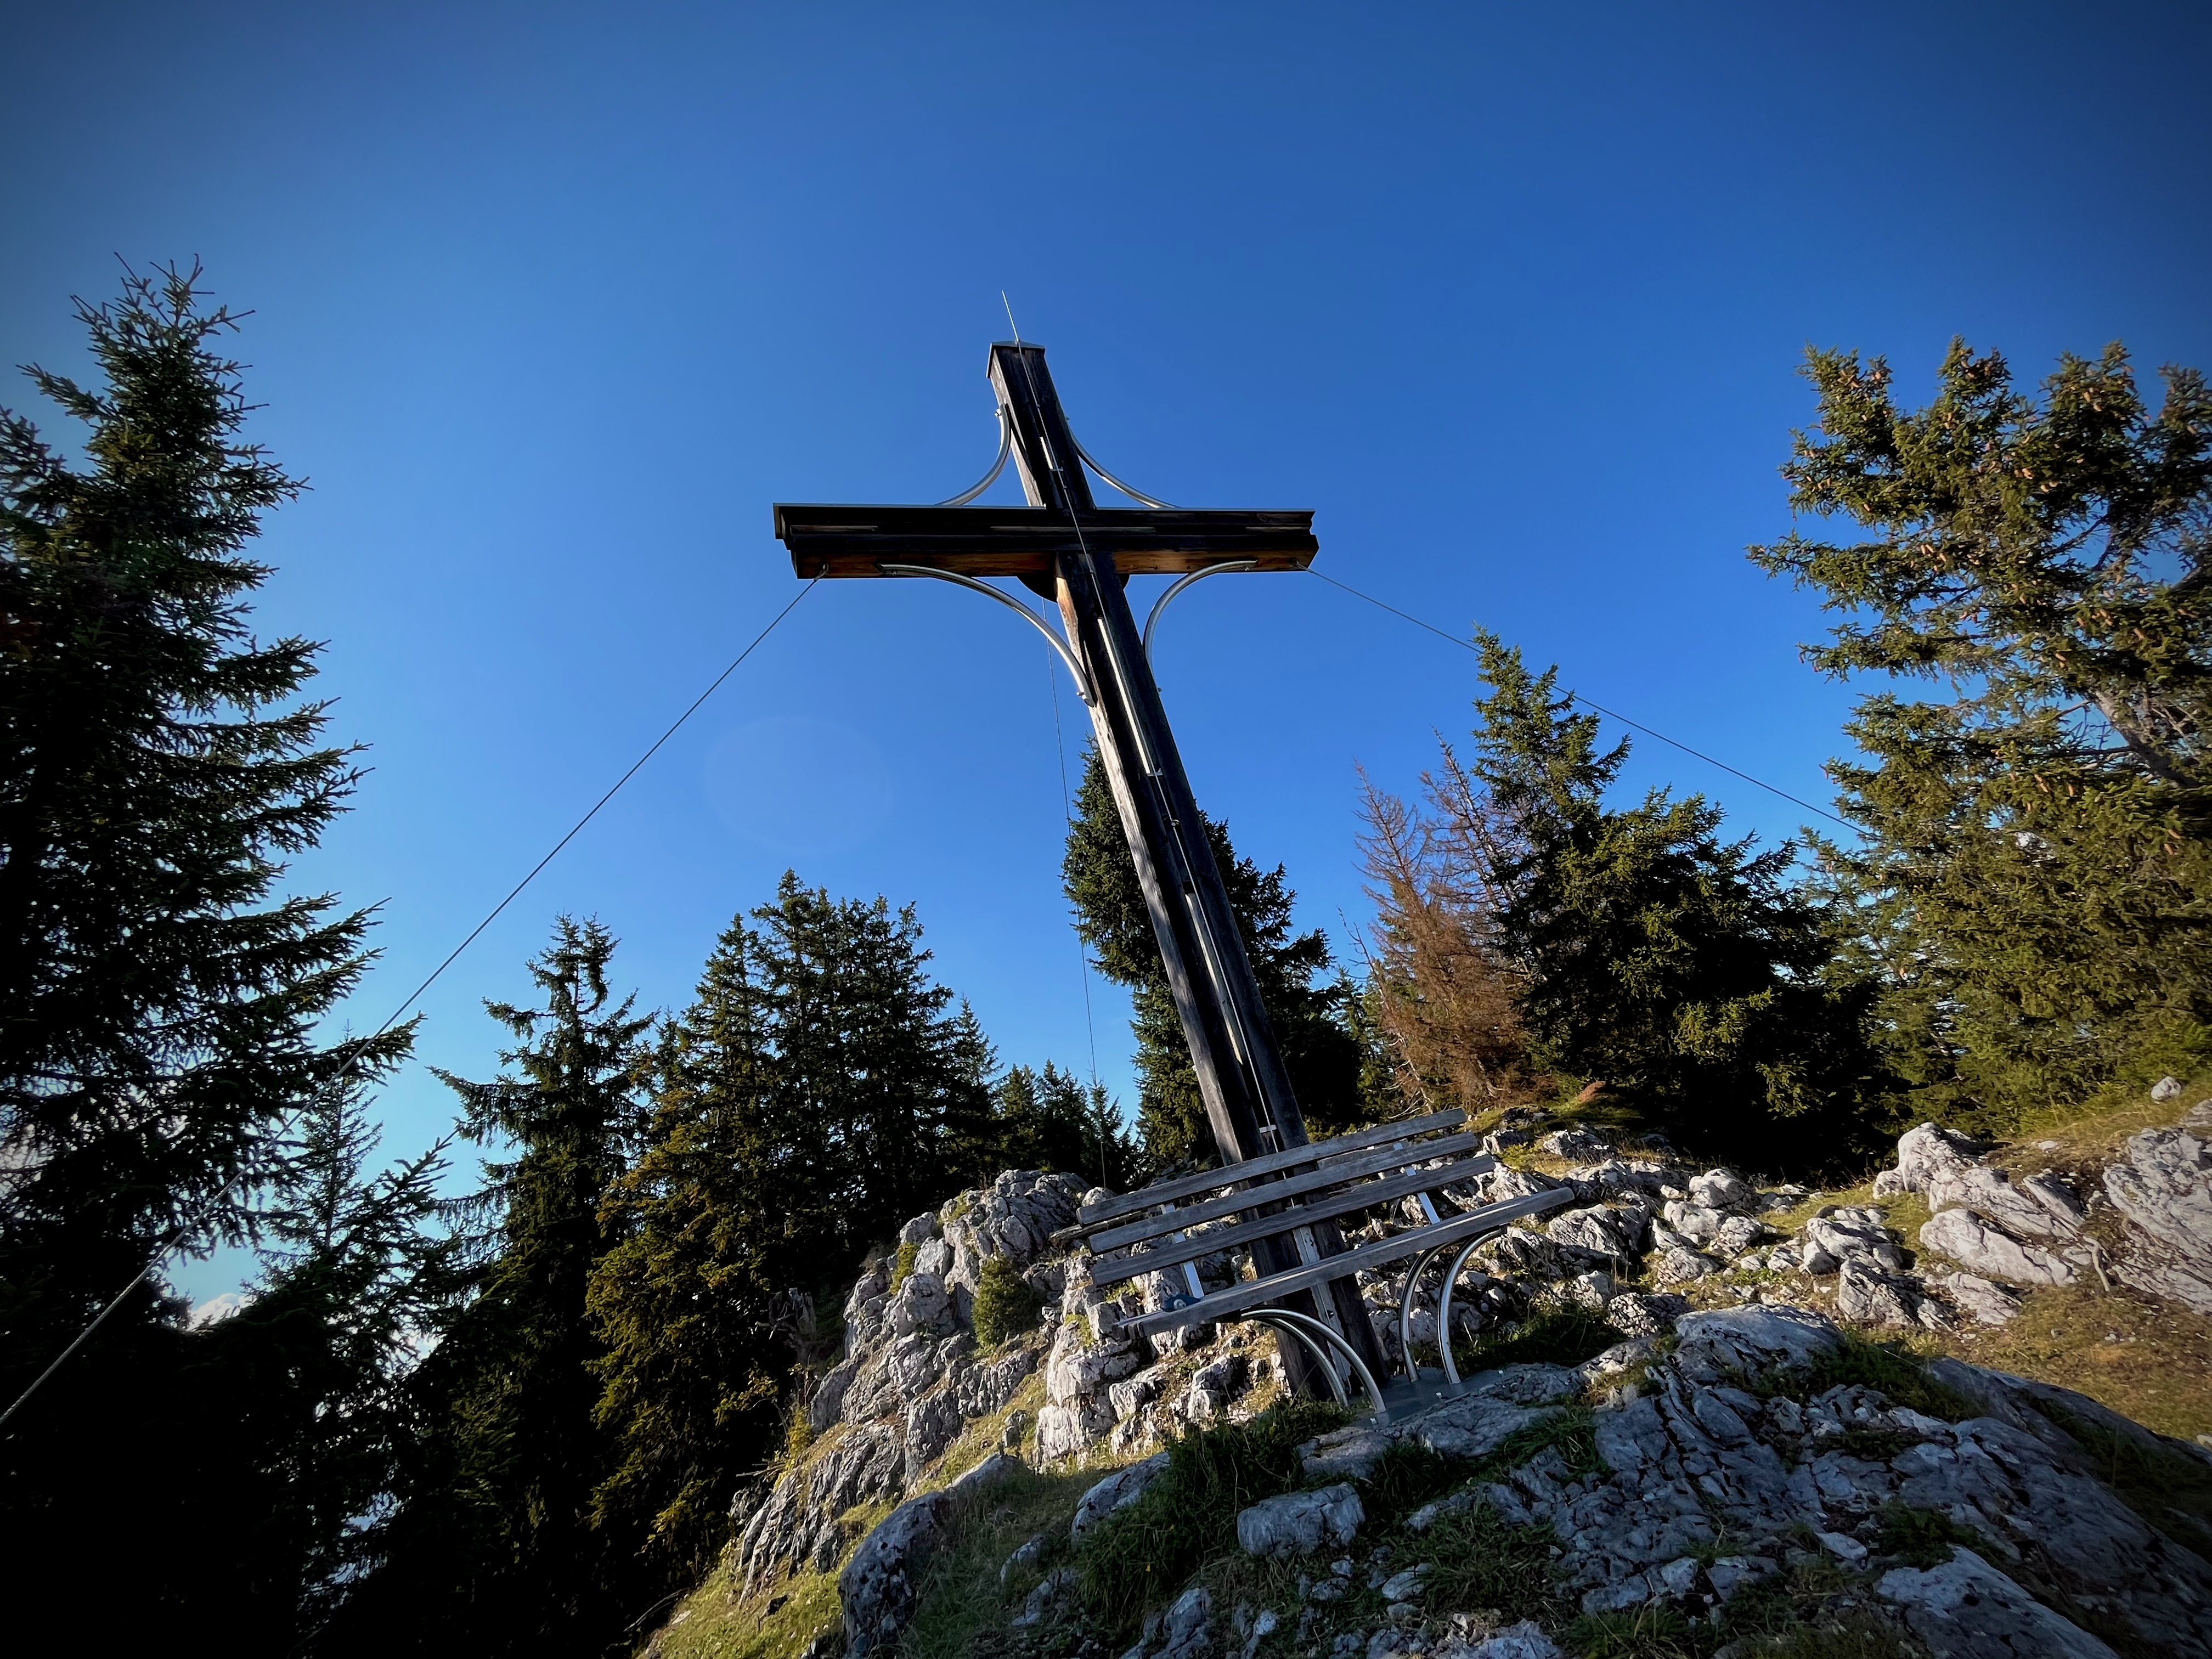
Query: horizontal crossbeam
1026	541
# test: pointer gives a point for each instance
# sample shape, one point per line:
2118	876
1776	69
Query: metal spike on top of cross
1067	548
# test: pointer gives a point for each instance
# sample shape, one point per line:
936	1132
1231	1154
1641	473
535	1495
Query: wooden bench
1280	1196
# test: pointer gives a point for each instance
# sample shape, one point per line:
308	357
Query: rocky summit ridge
1710	1465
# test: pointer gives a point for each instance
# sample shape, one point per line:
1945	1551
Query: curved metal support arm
1006	448
1082	685
1443	1305
1133	495
1406	1307
1161	603
1321	1358
1307	1322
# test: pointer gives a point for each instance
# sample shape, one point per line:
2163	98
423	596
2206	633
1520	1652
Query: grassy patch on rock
779	1622
1483	1563
972	1586
1892	1368
1005	1303
1140	1556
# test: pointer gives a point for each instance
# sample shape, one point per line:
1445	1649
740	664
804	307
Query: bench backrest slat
1167	1192
1364	1195
1271	1192
1250	1293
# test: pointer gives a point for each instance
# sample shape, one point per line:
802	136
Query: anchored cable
1067	814
200	1214
1597	708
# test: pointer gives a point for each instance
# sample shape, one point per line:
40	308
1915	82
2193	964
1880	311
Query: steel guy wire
1068	813
1597	708
394	1016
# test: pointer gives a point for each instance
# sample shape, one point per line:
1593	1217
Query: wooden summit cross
1067	548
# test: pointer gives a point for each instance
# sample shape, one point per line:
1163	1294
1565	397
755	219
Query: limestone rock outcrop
2164	1187
911	1379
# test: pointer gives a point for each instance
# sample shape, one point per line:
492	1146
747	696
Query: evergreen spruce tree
494	1544
2035	880
820	1089
1046	1118
160	997
300	1401
881	1086
1319	1050
1682	970
687	1301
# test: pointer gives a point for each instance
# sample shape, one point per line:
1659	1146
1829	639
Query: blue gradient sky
552	302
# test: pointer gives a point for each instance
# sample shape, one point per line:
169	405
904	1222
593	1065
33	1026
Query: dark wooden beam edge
850	541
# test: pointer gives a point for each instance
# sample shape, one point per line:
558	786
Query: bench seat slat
1289	1159
1366	1195
1328	1175
1252	1292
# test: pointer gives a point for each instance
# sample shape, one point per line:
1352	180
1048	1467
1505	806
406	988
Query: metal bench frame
1282	1194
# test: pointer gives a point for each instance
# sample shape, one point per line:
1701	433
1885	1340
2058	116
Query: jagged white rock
1985	1302
1928	1151
1301	1522
1966	1609
1116	1492
1600	1229
1983	1246
1721	1189
2163	1186
879	1585
2037	1207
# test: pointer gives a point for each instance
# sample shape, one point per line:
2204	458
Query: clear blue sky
552	302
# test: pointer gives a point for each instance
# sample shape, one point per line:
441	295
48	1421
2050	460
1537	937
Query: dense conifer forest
511	1420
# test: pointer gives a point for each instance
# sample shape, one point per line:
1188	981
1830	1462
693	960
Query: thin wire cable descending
1598	707
1068	813
398	1013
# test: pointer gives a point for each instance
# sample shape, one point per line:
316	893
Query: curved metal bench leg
1443	1308
1321	1358
1406	1309
1358	1366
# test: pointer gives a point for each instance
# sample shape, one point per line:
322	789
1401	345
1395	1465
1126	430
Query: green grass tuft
1890	1369
1005	1303
902	1268
961	1605
1656	1632
1479	1561
1143	1555
1573	1432
1407	1476
1923	1538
